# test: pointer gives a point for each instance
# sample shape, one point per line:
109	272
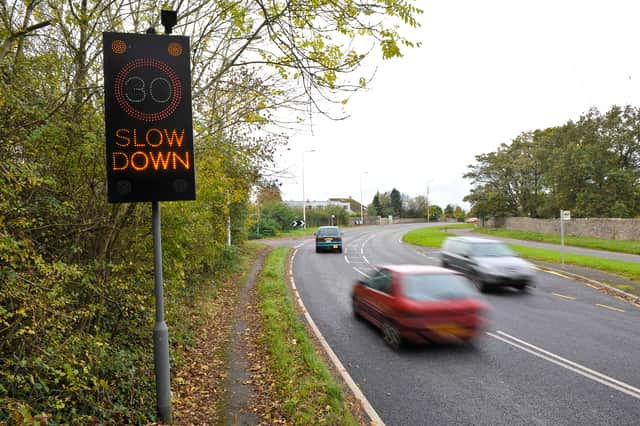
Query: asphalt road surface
560	354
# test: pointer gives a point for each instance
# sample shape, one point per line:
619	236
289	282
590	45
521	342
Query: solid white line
298	246
569	365
366	260
366	405
346	259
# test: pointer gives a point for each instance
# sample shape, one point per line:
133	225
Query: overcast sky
486	71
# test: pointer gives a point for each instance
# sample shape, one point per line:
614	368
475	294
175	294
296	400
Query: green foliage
590	167
76	279
329	215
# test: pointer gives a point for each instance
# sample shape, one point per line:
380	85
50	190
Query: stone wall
610	229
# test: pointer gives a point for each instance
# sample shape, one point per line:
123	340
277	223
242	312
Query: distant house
354	206
344	203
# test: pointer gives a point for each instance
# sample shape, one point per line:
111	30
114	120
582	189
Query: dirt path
213	385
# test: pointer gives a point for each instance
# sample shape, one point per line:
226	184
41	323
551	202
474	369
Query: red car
420	304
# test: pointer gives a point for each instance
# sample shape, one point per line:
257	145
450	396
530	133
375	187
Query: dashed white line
563	296
610	308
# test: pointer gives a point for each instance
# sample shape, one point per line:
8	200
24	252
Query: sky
486	72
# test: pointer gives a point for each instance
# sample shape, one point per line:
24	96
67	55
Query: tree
590	167
74	270
377	205
269	191
395	199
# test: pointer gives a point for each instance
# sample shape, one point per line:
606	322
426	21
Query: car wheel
317	250
444	264
339	249
391	335
521	287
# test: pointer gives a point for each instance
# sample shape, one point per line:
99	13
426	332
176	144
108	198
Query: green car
328	238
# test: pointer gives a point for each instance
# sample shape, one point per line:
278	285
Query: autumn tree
74	270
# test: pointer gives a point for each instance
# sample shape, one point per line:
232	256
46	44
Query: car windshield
424	287
328	232
491	249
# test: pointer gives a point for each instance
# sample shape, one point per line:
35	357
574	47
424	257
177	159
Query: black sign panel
149	130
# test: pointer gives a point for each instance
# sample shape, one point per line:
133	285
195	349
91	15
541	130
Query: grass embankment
308	392
625	246
433	237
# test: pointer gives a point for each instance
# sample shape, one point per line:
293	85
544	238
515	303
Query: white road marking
365	259
565	363
610	307
563	296
360	272
346	259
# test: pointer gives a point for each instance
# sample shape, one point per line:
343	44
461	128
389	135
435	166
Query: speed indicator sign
148	121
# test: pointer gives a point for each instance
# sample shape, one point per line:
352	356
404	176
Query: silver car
489	263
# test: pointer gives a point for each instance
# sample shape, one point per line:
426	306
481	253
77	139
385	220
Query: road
561	354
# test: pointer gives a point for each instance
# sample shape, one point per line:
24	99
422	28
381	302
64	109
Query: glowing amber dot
118	47
174	49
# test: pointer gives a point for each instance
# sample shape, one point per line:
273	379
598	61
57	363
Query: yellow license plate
335	246
449	330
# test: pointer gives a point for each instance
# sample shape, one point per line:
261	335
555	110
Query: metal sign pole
562	236
160	330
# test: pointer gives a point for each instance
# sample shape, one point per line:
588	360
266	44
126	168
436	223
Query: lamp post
304	200
428	206
361	205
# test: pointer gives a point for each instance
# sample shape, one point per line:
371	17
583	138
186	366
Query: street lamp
304	200
361	206
428	207
428	204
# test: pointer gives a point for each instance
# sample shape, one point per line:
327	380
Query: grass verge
630	270
433	237
622	246
308	391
